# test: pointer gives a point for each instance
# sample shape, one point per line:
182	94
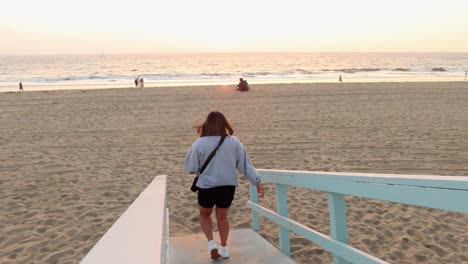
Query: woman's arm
245	166
192	162
260	190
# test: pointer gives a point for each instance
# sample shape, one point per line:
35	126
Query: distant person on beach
142	83
21	87
243	86
217	181
136	82
340	79
466	73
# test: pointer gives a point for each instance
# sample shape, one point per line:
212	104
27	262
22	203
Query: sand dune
72	161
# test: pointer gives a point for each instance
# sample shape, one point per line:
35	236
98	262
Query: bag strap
221	140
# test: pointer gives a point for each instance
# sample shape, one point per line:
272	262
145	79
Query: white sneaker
224	252
213	249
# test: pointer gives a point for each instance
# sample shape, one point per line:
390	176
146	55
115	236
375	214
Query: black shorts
220	196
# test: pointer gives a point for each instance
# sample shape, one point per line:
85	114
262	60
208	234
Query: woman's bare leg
223	224
206	223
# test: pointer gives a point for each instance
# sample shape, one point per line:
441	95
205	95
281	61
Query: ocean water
120	70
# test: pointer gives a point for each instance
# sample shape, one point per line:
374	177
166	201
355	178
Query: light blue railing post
254	199
282	209
437	192
339	231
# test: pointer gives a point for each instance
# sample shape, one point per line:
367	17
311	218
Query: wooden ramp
245	246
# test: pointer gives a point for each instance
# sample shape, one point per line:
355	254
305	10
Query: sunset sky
114	26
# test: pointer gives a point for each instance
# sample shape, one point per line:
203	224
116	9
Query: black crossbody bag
194	187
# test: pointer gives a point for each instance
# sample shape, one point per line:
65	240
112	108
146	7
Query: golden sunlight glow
88	26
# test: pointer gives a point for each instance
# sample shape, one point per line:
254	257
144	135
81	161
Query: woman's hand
260	190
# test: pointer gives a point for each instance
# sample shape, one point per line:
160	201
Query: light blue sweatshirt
221	170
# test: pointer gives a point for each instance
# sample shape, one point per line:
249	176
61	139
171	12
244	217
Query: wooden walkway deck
245	245
141	235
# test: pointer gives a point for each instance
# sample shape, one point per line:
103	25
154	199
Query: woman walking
217	180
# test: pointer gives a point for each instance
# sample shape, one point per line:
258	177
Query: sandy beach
72	161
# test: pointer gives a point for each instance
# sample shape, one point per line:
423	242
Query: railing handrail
138	233
440	192
436	181
436	192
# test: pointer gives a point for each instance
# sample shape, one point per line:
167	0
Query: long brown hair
215	125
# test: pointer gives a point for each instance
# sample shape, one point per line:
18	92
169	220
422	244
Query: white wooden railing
140	235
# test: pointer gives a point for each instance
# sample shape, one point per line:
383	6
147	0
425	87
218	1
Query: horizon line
222	52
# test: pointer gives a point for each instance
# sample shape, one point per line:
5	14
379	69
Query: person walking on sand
142	83
340	79
217	180
466	73
136	82
21	87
